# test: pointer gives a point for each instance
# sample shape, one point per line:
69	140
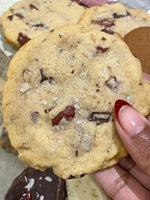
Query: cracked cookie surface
114	18
59	97
29	18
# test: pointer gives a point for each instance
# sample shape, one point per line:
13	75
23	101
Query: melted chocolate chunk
33	7
19	15
48	109
40	25
33	184
34	116
106	22
67	114
112	83
107	31
101	49
117	15
22	39
73	177
45	78
10	17
99	117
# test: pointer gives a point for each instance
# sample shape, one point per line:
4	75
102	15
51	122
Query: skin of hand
130	178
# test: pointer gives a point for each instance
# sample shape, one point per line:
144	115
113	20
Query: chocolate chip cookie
114	18
59	97
29	18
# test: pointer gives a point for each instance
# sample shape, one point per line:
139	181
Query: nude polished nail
131	121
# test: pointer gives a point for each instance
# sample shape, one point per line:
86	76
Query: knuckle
119	184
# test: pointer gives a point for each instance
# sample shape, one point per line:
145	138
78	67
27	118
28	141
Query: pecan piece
67	114
100	117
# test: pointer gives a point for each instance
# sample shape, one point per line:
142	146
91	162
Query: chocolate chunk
117	15
45	78
10	17
19	15
101	49
112	83
99	117
22	39
34	116
33	184
73	177
106	22
103	38
40	25
67	114
48	109
107	31
33	7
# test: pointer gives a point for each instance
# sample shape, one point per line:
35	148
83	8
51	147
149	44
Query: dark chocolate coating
33	184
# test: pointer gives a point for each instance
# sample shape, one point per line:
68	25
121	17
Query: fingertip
146	77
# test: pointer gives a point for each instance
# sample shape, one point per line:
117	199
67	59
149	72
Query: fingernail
129	119
119	104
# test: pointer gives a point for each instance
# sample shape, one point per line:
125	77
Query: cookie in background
114	18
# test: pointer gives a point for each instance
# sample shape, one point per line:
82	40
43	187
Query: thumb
134	130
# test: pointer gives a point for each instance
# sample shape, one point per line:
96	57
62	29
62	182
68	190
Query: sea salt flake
44	102
48	178
30	184
41	197
24	87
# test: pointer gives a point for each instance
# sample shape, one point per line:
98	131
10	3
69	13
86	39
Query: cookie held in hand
59	97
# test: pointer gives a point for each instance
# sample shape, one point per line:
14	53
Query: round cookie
29	18
33	184
138	41
114	18
59	97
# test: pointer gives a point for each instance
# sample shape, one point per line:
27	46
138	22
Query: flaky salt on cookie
59	97
114	18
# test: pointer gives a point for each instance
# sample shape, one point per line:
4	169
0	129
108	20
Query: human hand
130	179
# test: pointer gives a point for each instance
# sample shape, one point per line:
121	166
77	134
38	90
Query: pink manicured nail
131	121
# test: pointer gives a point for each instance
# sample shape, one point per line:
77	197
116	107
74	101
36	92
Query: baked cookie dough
29	18
4	140
59	97
114	18
138	41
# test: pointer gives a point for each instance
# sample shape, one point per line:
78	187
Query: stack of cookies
62	84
